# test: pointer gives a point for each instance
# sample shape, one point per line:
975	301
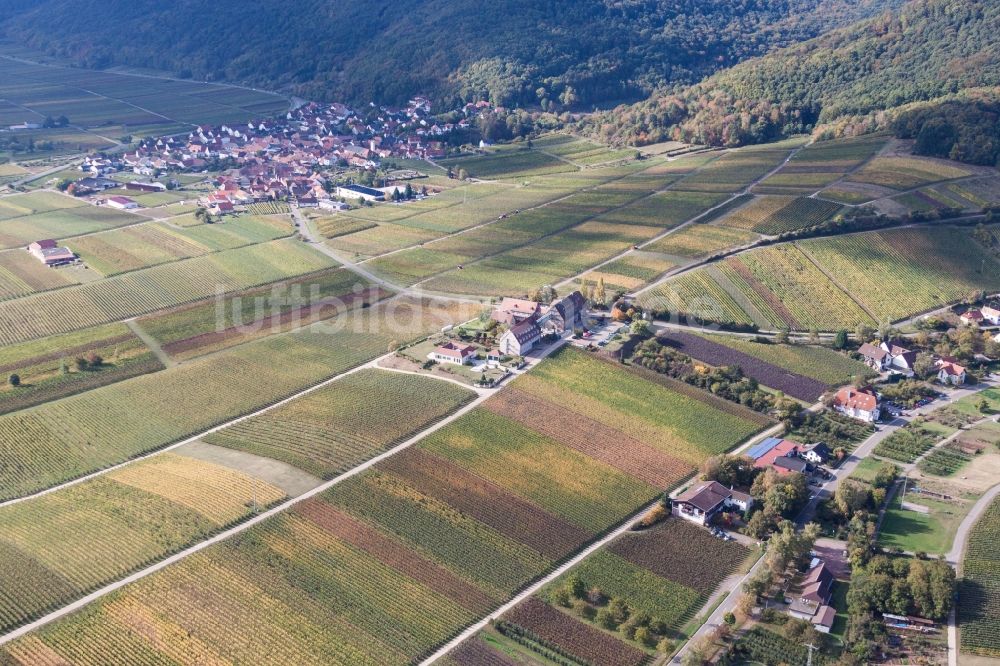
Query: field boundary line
287	504
151	342
170	447
624	527
678	270
245	525
834	281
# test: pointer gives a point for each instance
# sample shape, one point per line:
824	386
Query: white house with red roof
972	317
450	352
950	372
858	403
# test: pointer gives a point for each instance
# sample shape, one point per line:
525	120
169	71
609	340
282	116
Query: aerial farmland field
52	442
25	218
894	274
662	576
774	215
91	99
979	589
167	285
903	173
325	432
506	165
432	537
69	542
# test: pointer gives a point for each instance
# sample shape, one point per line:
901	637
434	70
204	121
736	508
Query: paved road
866	447
317	242
954	557
962	535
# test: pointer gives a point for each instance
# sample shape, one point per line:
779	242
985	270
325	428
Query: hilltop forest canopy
933	61
558	54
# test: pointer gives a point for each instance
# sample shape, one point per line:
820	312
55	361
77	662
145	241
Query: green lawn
839	602
914	532
969	404
866	469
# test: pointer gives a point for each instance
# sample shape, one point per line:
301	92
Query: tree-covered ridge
560	53
839	82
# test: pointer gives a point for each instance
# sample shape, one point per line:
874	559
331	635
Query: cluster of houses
283	158
886	357
988	315
527	322
702	502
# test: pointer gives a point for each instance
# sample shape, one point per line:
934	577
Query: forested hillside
558	53
940	56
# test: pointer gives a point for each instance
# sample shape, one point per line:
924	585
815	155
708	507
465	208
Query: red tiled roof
455	351
871	351
783	448
852	398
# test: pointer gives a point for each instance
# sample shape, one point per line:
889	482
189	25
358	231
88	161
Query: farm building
521	338
561	315
861	404
145	187
122	203
703	502
453	353
811	601
50	254
360	192
96	184
565	314
223	208
789	464
771	450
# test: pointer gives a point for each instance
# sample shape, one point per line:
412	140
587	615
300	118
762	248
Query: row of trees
897	585
726	382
